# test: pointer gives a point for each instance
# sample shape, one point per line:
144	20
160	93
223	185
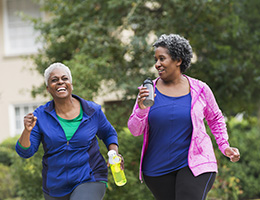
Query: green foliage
5	156
79	33
245	135
10	143
118	112
239	180
228	61
7	183
7	151
18	176
27	173
87	36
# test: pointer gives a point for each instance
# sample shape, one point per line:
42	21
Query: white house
16	74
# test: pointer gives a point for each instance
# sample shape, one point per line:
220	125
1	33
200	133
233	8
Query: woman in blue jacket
67	126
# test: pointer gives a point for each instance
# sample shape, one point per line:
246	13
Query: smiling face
167	68
59	84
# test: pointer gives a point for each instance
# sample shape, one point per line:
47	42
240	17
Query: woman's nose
60	81
157	64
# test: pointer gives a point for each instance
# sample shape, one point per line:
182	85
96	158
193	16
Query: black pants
180	185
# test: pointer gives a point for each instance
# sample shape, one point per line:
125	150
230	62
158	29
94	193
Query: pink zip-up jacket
201	156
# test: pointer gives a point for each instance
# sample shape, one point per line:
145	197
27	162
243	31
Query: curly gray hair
179	48
54	66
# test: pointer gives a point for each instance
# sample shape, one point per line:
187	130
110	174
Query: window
17	113
19	35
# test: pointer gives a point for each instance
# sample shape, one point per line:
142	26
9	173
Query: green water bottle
118	174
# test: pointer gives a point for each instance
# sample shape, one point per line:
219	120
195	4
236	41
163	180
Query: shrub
7	183
27	172
239	180
6	156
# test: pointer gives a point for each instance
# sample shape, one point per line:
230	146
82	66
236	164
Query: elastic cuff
22	146
104	182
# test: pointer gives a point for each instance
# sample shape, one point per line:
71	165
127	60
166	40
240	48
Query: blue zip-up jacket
66	164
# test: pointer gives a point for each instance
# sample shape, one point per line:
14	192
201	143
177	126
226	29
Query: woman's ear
179	61
47	88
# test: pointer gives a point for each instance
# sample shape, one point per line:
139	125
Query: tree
87	36
227	55
79	34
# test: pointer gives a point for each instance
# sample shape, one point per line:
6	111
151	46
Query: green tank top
71	125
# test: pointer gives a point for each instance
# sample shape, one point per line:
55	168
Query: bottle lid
111	153
148	81
112	157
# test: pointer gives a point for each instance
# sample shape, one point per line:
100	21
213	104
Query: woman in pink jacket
178	160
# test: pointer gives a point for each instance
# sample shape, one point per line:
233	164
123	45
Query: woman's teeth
61	89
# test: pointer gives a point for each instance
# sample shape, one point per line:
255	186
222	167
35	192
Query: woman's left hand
232	153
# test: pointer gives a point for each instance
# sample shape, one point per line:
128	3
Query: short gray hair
54	66
178	47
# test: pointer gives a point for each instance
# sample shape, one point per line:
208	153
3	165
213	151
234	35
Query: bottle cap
112	157
111	153
148	81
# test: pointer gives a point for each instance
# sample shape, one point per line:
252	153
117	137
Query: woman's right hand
143	93
29	122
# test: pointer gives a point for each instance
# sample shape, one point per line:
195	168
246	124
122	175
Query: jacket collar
87	108
194	83
196	88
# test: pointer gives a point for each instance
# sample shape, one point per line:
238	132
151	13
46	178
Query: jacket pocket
201	150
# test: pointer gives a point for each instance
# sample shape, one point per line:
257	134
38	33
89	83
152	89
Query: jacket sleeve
106	131
215	120
35	139
138	120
